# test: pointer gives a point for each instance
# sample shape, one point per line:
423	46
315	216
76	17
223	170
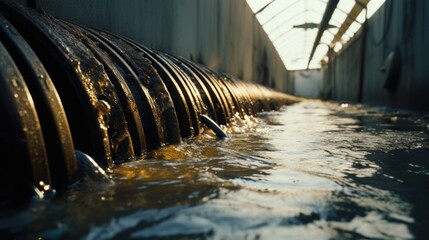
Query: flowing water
314	170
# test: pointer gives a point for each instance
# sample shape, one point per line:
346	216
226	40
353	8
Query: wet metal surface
67	88
314	170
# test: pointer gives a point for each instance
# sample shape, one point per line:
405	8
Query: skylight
292	26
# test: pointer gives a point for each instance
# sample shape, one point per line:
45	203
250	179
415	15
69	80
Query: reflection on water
314	171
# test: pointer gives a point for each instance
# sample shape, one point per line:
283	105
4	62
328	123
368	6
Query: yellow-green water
314	170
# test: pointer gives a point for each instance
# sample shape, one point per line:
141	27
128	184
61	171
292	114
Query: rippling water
312	171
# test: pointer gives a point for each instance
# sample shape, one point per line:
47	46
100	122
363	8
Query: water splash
314	170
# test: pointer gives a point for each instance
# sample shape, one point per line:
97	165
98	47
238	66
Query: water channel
314	170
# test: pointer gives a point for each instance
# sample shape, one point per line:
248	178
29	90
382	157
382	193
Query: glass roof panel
294	34
345	38
278	8
333	31
320	52
345	5
354	27
326	38
373	6
292	26
338	46
338	16
361	17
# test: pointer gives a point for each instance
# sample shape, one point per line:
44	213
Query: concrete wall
222	34
307	83
398	25
345	72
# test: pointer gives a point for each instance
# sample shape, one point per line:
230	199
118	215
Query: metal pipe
67	89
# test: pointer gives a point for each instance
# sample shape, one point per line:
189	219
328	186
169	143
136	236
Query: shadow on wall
222	34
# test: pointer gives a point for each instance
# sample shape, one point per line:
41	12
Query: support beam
264	7
330	8
354	13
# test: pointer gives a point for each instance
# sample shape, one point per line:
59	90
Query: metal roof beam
351	17
264	7
330	8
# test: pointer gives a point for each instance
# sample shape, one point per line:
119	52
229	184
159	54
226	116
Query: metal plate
179	100
149	112
127	123
71	68
192	95
221	109
225	92
204	92
23	157
148	76
224	95
56	132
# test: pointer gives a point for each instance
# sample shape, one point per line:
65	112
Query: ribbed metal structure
66	87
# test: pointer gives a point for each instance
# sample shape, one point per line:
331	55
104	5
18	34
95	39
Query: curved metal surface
24	160
152	80
54	124
109	59
67	87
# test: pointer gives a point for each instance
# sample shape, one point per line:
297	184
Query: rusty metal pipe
67	88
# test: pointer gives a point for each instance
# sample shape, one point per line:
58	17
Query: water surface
314	170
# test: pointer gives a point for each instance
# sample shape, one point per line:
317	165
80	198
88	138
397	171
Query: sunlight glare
290	26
